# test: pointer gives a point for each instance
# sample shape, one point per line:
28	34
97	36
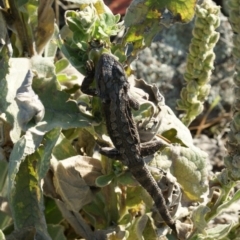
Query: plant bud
212	19
200	23
214	38
201	12
192	86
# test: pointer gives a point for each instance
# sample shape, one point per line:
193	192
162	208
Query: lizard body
112	87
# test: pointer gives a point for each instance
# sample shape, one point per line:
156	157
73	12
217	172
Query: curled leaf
148	117
28	103
70	184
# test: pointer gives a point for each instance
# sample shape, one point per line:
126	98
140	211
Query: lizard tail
145	178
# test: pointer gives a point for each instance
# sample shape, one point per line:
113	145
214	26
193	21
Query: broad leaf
70	184
63	148
143	18
230	201
2	237
198	217
104	180
26	169
140	227
189	166
16	75
56	232
26	199
61	64
60	111
220	231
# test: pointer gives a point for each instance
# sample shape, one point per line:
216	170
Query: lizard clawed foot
88	80
183	230
112	153
90	69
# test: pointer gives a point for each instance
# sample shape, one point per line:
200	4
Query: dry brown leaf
45	26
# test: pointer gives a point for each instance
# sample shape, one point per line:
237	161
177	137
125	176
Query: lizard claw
90	68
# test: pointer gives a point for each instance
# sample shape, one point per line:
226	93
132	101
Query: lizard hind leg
111	153
149	148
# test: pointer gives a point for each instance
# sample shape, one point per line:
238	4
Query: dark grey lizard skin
112	87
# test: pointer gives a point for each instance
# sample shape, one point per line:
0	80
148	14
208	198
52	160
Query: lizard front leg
146	149
88	80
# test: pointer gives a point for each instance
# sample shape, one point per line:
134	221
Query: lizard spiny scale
130	140
113	126
115	134
119	141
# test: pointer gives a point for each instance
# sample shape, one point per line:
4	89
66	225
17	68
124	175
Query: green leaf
26	169
137	228
26	146
61	64
60	111
96	212
5	221
173	129
52	213
3	178
56	232
189	166
126	179
26	198
21	2
104	180
2	237
220	231
230	201
136	196
26	233
140	10
16	74
63	149
74	55
149	231
45	151
198	217
62	78
143	17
